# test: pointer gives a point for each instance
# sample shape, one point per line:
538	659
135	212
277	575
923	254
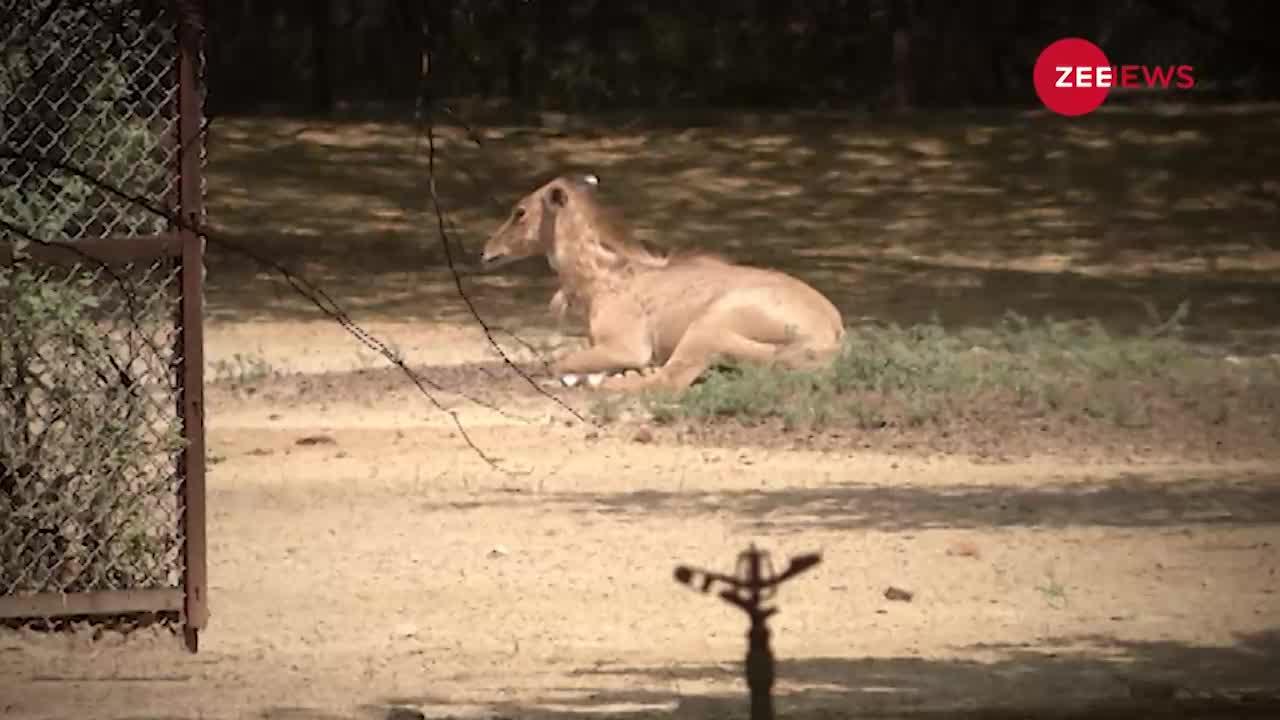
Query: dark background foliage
322	55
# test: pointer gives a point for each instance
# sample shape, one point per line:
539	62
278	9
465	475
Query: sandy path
391	566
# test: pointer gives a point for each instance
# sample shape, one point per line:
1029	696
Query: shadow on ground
1125	500
964	215
1109	680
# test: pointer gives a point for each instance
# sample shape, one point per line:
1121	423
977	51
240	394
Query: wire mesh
91	426
91	85
89	430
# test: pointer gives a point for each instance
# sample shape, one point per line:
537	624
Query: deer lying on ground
680	311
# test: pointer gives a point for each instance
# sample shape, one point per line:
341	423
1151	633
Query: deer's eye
519	214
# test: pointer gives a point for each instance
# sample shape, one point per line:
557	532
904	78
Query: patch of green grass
607	409
1054	592
926	374
241	369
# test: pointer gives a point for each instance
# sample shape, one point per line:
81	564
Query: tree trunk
321	78
514	32
549	35
900	27
606	17
439	39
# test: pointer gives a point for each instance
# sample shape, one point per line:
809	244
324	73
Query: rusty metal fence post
191	30
102	492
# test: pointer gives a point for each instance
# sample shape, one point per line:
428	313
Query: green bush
88	429
87	445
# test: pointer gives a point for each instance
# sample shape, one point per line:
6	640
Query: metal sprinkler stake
753	584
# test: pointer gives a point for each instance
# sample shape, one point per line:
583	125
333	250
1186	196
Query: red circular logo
1073	76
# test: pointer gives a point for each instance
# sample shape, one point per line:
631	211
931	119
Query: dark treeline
318	55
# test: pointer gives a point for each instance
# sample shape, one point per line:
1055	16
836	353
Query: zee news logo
1073	77
1129	76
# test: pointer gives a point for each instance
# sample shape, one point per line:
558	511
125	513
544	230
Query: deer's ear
557	197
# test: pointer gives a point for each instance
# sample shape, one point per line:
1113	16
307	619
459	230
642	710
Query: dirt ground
366	563
362	559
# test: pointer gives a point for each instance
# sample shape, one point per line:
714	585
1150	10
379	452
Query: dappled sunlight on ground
965	215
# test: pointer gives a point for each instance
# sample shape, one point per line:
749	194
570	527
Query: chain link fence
101	433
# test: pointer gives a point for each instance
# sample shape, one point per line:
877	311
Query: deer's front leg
602	359
610	353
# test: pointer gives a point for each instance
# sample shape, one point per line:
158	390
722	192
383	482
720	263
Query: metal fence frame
183	244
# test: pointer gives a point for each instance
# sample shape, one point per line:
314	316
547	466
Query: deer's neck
585	268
